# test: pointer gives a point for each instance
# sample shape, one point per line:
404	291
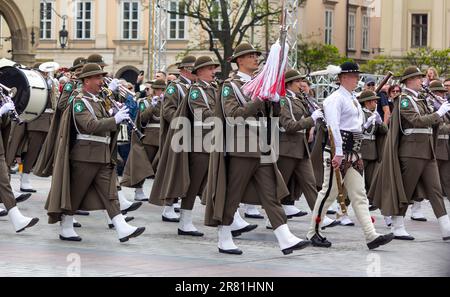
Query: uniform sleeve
65	95
289	124
147	112
232	108
86	122
170	105
414	119
198	105
332	110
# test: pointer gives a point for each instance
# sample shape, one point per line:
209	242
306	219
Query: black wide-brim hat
349	67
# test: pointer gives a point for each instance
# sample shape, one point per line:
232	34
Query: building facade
350	25
411	24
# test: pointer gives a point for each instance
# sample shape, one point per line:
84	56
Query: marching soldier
443	143
248	178
345	119
374	130
410	157
44	163
18	220
175	93
294	161
84	173
201	103
141	162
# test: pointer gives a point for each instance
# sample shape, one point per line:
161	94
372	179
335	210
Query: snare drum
32	91
122	136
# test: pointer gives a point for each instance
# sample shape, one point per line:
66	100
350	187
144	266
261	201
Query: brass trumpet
109	96
10	93
122	89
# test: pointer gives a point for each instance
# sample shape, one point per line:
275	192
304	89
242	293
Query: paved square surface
161	252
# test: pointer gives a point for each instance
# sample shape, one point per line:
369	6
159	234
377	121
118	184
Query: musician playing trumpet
443	142
142	161
84	172
409	168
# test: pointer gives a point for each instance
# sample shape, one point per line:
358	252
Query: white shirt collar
186	79
244	76
412	91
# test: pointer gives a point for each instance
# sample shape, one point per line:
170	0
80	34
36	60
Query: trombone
10	93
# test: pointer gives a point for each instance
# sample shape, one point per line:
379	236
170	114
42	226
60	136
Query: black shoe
136	233
75	238
76	225
3	213
347	225
404	237
419	219
335	223
372	208
446	238
250	216
132	207
320	241
23	197
190	233
331	212
30	224
301	213
82	213
141	199
231	252
247	228
380	240
299	246
174	220
28	190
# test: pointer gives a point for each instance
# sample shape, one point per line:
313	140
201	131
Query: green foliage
422	58
314	56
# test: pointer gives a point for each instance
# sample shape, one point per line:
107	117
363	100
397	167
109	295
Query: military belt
102	139
419	131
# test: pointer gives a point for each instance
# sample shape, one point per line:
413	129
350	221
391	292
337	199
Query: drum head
12	77
32	92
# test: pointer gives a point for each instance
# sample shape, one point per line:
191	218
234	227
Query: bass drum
32	91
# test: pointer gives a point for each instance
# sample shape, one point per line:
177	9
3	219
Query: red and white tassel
268	85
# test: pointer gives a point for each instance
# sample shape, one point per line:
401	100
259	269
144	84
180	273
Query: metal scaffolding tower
293	31
157	38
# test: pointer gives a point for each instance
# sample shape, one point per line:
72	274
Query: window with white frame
419	30
45	30
177	23
83	20
365	32
328	26
351	30
130	19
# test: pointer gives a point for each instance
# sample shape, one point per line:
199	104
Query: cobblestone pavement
161	252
